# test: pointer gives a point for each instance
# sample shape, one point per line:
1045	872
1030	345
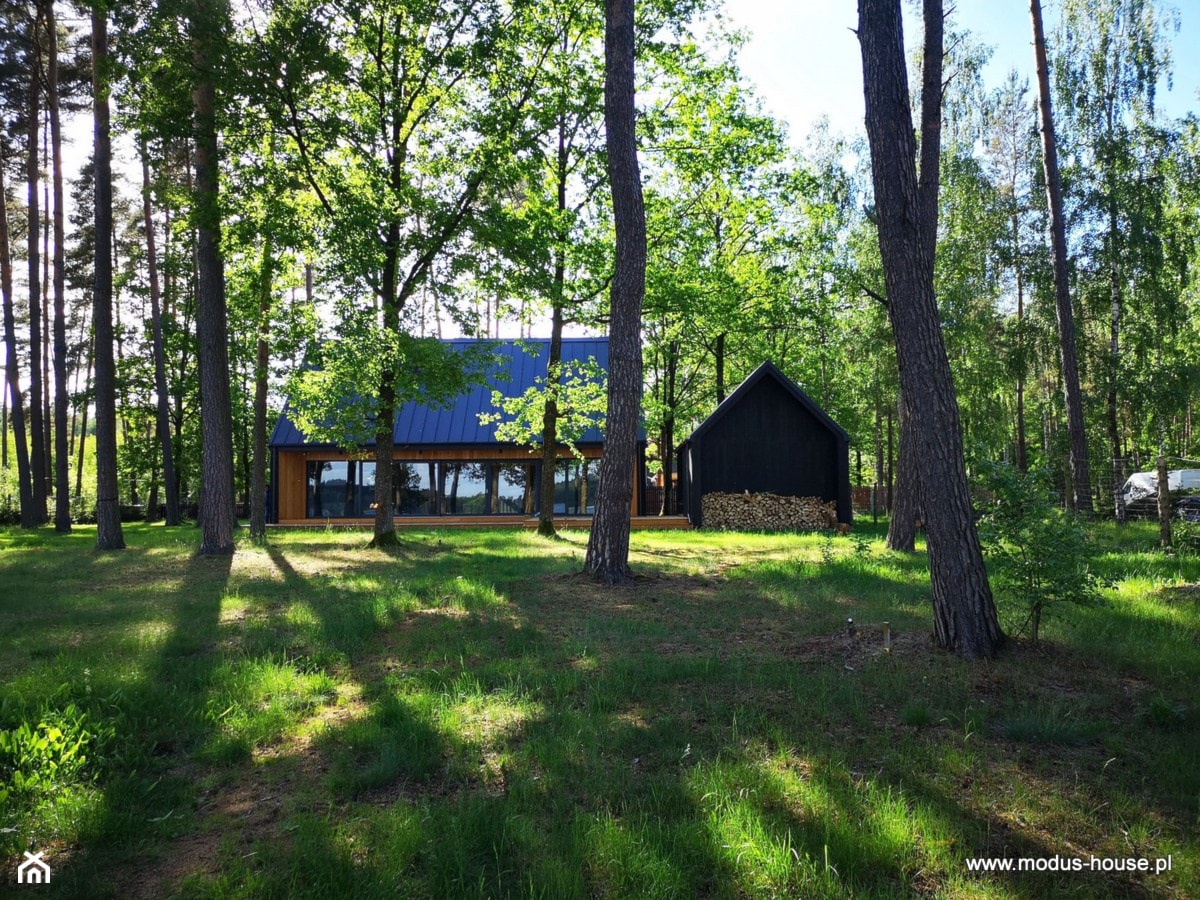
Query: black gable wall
767	441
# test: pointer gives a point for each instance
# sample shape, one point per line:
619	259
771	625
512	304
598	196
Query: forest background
761	240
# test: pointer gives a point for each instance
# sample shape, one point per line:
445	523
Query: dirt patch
867	646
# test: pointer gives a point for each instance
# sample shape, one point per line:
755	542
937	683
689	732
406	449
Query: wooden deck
637	523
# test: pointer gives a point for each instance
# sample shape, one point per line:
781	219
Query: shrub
1039	554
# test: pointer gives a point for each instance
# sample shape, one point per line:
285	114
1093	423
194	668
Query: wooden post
1164	504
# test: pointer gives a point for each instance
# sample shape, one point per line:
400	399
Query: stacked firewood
766	512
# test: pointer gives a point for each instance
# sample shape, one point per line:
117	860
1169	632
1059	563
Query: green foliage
1039	554
47	758
581	393
333	400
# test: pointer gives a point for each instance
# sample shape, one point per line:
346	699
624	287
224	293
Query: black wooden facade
767	436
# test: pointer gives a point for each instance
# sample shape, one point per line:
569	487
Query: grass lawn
472	718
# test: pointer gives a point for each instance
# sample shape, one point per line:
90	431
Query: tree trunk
37	425
1164	503
1081	494
163	413
88	385
12	372
608	544
108	504
385	523
217	500
550	418
1022	446
258	478
62	461
964	614
1114	361
667	441
906	501
719	353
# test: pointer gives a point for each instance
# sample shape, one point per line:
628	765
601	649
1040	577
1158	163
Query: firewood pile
766	512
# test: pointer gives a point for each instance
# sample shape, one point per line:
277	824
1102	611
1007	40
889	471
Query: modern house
768	436
447	466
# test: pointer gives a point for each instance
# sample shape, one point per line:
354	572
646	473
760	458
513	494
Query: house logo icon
34	870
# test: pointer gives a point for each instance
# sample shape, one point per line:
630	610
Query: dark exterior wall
767	442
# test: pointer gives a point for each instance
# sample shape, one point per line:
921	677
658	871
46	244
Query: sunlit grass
470	718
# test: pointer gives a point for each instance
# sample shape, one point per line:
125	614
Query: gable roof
523	361
769	370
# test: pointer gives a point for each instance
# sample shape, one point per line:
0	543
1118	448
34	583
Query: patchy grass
470	717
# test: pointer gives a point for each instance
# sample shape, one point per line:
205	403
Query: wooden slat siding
291	485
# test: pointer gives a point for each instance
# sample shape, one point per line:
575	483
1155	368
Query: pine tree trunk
162	410
964	614
12	372
258	477
217	499
88	386
108	504
906	502
608	545
37	425
1081	494
62	461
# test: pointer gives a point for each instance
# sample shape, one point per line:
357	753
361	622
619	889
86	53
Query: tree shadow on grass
148	795
646	750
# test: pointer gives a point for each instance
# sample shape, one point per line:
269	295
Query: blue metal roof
458	425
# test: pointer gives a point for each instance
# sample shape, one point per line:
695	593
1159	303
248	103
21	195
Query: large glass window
575	484
514	490
414	490
464	488
340	489
346	488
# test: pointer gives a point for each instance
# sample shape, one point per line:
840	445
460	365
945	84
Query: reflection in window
413	491
346	488
575	483
514	490
340	489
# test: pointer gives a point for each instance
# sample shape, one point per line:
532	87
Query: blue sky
804	58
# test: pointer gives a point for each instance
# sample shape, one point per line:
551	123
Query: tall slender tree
964	613
37	425
12	371
62	461
109	535
1080	498
162	403
608	544
207	23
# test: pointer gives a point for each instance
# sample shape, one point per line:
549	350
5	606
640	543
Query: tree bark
37	425
550	417
163	413
88	385
608	545
964	614
258	477
902	527
217	520
108	504
62	461
1081	495
12	371
667	441
906	501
